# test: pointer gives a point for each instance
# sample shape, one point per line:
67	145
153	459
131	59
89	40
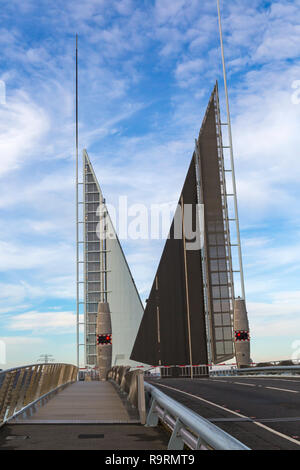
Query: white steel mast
77	215
232	159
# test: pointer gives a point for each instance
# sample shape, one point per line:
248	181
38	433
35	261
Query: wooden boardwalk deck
82	402
86	416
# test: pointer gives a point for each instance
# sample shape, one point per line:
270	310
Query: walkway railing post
15	393
152	418
3	395
61	375
8	398
56	376
36	384
22	393
30	382
176	441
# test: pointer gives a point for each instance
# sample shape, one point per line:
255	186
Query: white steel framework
106	276
231	169
77	216
218	305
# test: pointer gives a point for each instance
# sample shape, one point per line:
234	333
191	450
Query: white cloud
188	71
243	27
15	257
166	10
278	318
266	142
22	125
11	294
44	322
281	33
288	297
258	242
285	327
6	309
20	350
266	312
124	7
21	340
40	288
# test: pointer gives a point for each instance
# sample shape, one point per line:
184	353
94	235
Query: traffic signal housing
104	339
242	336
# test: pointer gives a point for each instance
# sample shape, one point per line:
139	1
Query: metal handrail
4	371
21	386
187	426
28	410
131	383
255	370
270	368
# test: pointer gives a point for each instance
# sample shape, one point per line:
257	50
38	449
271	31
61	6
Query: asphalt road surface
261	412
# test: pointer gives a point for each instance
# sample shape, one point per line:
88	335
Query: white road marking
282	389
253	385
249	385
288	380
268	377
224	381
284	436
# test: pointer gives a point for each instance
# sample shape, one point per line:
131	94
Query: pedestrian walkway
86	416
82	437
83	402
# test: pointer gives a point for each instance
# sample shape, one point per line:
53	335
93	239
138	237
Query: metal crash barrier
269	370
187	427
21	387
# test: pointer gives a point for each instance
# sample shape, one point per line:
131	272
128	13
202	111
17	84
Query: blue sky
147	68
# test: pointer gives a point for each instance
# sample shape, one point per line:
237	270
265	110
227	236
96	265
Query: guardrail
88	375
187	426
184	371
257	370
131	382
22	386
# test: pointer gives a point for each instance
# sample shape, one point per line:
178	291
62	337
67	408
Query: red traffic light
242	336
104	339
